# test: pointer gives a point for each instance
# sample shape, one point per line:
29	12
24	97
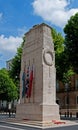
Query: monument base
36	112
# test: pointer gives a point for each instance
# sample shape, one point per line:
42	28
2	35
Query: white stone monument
38	92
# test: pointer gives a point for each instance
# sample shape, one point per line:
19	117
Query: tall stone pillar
38	52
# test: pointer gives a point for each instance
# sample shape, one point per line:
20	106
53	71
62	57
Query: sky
18	16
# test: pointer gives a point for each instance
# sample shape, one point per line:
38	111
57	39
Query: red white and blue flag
27	78
24	82
30	82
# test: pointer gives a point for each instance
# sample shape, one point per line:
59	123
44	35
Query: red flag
23	82
30	83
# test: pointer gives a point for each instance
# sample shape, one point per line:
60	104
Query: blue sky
18	16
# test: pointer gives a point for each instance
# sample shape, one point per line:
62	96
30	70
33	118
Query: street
74	127
8	126
4	125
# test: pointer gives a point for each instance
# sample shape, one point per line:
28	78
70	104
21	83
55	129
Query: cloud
9	44
8	47
1	15
56	12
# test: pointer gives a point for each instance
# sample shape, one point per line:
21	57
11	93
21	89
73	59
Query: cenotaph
38	77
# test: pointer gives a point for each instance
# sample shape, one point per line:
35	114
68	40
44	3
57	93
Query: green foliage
67	76
58	41
71	41
61	65
8	90
16	66
66	51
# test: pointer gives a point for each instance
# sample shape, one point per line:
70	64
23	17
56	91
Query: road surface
8	126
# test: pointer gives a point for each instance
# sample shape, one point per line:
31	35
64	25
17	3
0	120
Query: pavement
38	124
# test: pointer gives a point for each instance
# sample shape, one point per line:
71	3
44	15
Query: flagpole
33	88
25	79
33	85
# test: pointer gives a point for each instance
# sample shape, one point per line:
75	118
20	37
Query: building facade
67	96
8	64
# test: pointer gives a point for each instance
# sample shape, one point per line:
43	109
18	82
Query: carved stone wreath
48	57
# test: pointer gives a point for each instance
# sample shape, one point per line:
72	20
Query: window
76	84
67	100
77	99
57	85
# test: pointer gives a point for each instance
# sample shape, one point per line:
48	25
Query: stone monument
38	77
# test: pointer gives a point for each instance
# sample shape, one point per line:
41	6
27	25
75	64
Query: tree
8	90
16	66
16	62
58	41
71	42
67	75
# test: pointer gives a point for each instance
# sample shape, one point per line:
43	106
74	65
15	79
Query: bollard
65	114
70	114
76	114
9	113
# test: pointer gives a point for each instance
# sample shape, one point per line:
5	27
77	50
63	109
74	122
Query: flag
30	83
23	83
27	80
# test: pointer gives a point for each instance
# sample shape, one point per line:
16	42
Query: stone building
8	64
67	96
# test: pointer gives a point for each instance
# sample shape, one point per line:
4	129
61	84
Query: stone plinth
37	112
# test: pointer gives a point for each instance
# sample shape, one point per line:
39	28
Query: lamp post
67	98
